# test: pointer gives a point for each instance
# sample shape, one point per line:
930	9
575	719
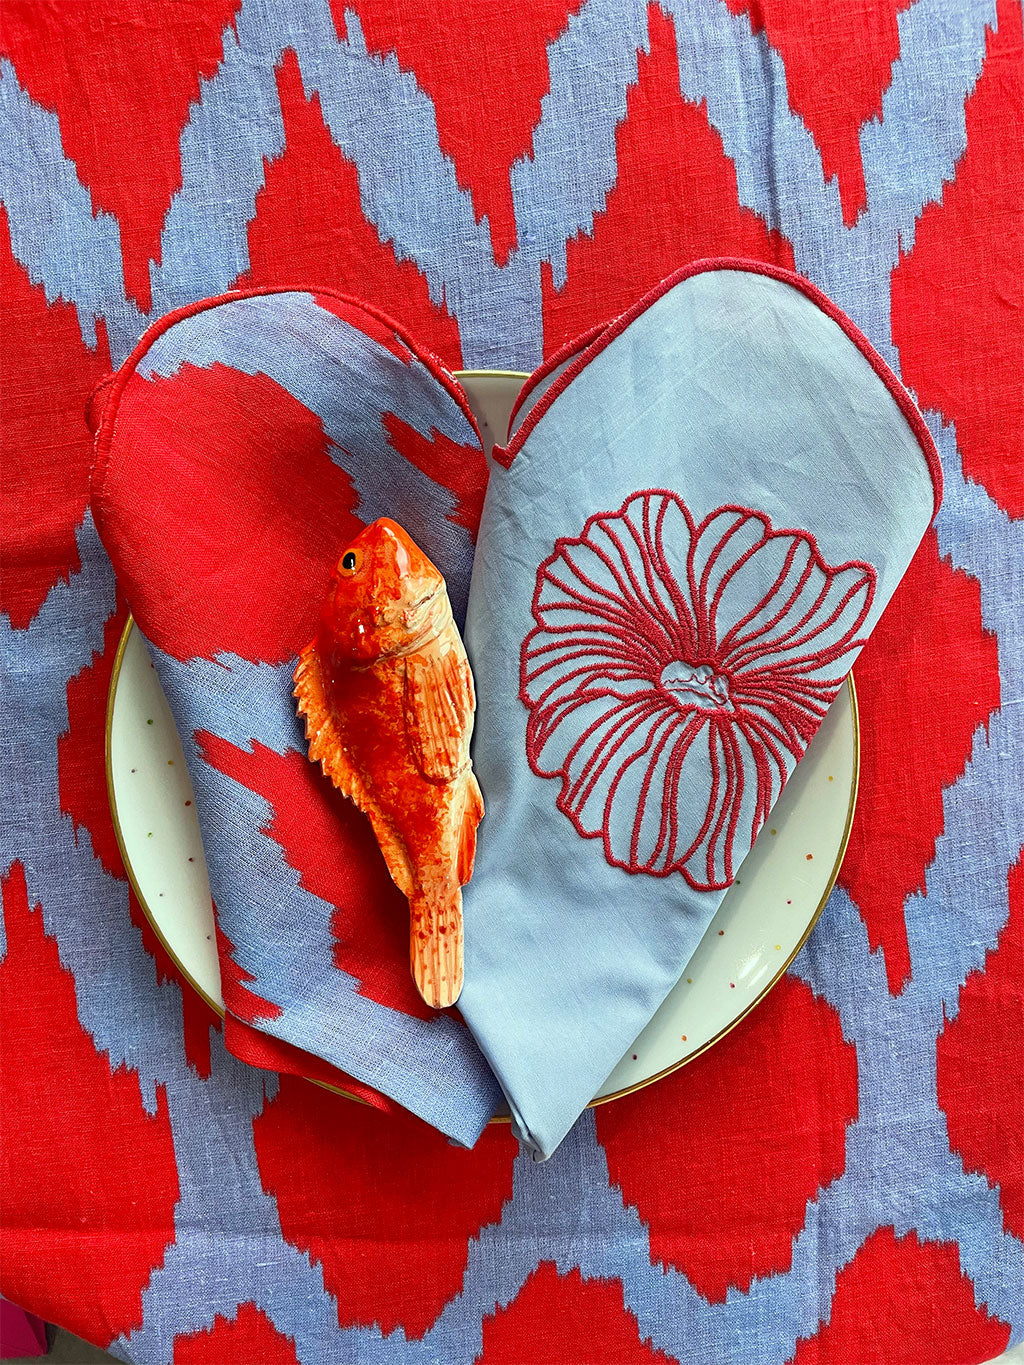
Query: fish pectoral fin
438	712
325	744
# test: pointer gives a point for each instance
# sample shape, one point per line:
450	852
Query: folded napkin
242	445
696	525
699	518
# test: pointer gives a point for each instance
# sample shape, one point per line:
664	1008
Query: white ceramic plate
760	926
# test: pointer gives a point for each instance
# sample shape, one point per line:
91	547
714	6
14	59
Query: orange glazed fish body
387	695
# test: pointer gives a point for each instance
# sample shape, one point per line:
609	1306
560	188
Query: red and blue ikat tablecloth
841	1180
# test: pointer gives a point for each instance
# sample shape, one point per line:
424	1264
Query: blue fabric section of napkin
291	419
731	391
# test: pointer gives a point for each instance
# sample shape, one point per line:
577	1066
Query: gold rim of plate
499	1118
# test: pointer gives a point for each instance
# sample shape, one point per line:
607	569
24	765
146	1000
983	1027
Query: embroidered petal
820	624
677	672
774	587
606	742
725	542
568	711
651	821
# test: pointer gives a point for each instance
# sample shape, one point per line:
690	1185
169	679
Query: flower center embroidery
696	685
675	764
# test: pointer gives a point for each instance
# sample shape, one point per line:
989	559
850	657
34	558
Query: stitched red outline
118	381
607	334
569	348
627	635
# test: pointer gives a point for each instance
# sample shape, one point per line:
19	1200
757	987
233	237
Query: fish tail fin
472	814
435	946
435	939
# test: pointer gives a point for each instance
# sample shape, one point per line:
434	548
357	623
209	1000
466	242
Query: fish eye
350	561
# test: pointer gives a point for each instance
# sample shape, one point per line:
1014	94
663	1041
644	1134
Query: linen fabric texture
224	528
691	534
840	1178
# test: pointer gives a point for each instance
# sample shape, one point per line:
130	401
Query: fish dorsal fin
325	745
439	705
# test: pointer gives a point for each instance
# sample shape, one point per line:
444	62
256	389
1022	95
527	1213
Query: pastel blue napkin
695	527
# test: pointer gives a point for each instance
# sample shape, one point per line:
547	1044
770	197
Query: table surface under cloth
840	1180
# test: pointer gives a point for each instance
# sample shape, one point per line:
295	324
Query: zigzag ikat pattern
246	1187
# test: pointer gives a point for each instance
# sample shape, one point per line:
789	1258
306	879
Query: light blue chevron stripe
897	1172
72	252
84	908
351	382
411	196
204	246
564	181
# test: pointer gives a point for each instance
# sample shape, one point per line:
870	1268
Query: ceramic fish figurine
387	695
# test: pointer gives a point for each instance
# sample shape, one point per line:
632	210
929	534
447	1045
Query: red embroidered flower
676	674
